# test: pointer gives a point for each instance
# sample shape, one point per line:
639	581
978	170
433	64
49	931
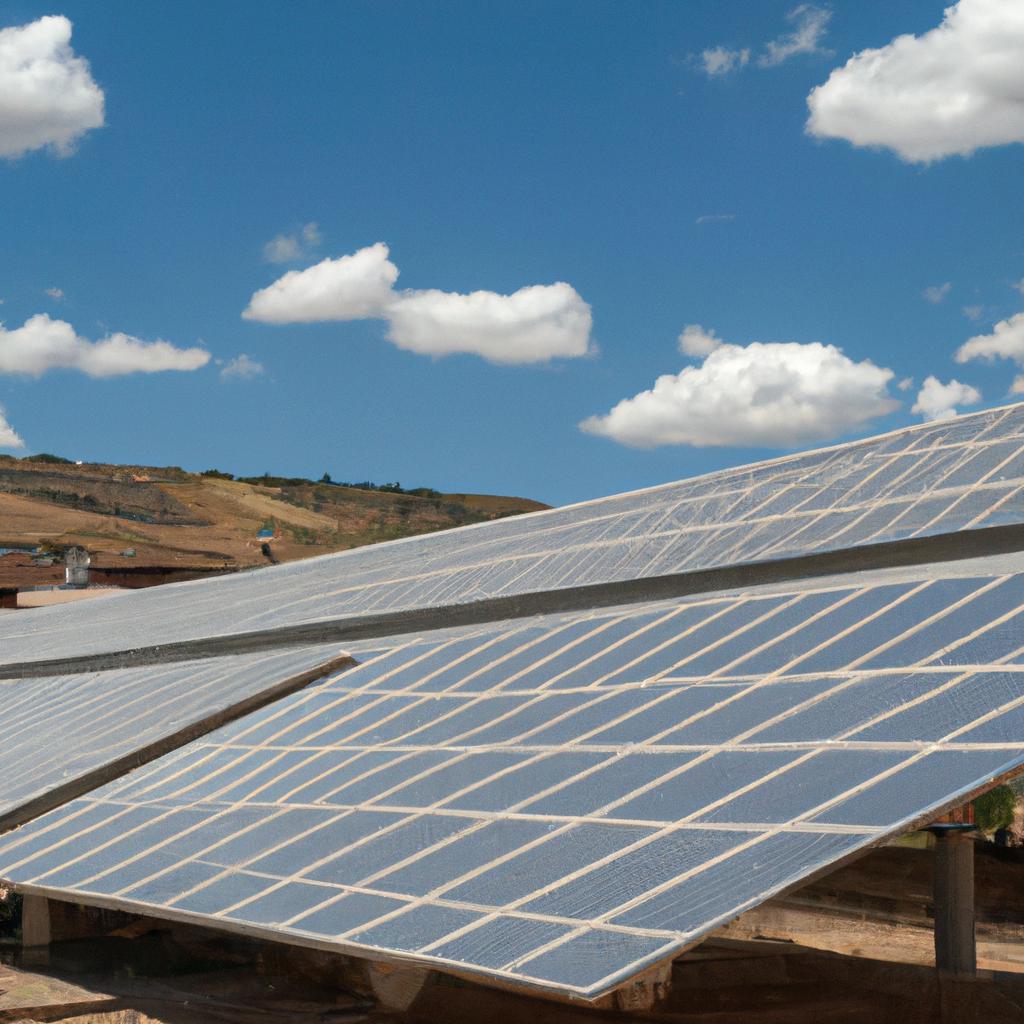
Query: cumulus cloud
349	288
47	94
534	324
774	395
973	312
296	246
715	218
695	341
1017	387
938	401
809	26
1018	285
1005	342
241	368
55	293
935	293
8	436
953	90
905	383
42	344
720	60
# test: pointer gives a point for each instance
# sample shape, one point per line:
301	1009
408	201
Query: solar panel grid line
189	768
796	510
258	768
40	710
944	612
600	627
480	817
355	711
456	662
309	694
82	708
727	607
757	684
114	818
598	748
849	630
980	518
829	610
400	758
961	499
988	625
745	627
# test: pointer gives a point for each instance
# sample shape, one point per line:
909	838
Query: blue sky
491	149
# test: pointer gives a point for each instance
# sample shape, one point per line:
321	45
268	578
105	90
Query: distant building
76	567
266	536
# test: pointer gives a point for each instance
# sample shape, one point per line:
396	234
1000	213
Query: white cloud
935	293
809	26
715	218
938	401
533	324
952	90
1005	342
774	395
1019	285
296	246
8	436
47	95
1017	387
241	368
55	293
906	383
973	312
349	288
42	344
695	341
720	60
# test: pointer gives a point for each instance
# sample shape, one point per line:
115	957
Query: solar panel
962	475
561	801
60	734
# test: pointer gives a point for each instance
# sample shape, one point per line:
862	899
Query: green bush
47	457
995	809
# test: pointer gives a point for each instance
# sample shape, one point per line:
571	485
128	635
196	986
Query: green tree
995	809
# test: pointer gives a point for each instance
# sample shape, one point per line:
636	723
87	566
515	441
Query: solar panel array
962	475
561	801
58	729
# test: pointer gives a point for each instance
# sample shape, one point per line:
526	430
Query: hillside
184	521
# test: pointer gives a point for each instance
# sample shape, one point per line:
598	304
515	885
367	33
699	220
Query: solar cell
924	481
484	801
58	732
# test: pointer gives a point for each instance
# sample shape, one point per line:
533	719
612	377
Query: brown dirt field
176	519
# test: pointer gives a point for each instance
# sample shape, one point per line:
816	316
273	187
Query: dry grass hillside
169	517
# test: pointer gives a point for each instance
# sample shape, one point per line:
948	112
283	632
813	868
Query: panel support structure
954	899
